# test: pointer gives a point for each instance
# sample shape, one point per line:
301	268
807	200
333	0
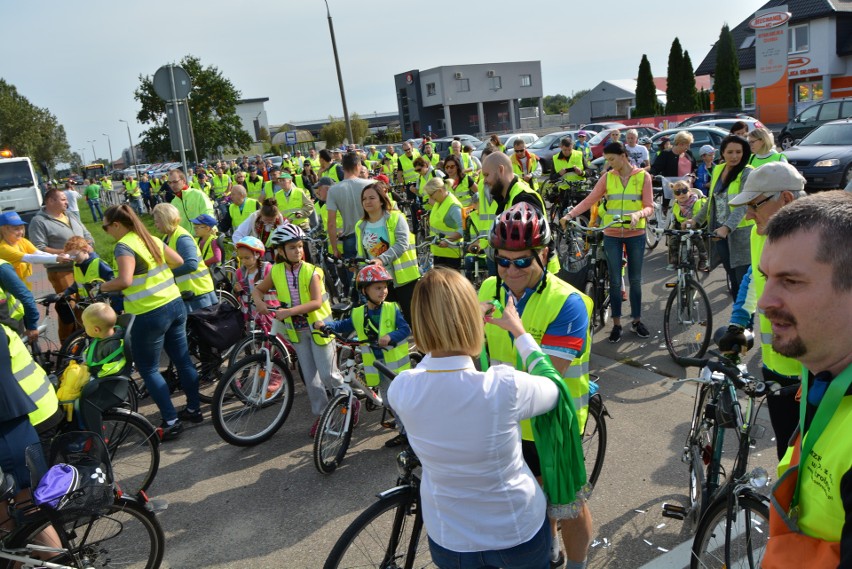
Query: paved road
267	506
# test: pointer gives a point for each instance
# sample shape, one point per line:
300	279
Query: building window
526	80
442	124
431	90
748	41
798	39
496	83
748	96
473	121
462	85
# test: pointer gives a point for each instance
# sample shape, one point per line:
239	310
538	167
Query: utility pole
132	150
339	76
109	142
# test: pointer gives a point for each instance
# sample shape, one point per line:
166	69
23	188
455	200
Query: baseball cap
11	218
771	178
706	149
582	133
383	178
325	181
204	219
285	176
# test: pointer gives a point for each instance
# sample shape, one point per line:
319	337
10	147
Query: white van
19	189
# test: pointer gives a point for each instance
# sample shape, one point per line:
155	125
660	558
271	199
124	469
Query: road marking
677	558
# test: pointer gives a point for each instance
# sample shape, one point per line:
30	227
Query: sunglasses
105	226
522	263
680	192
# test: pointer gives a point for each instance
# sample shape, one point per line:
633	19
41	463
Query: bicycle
562	194
660	219
100	529
732	517
253	399
687	319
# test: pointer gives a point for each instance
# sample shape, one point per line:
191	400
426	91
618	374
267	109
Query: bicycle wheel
333	435
602	297
251	345
225	296
732	535
387	534
126	535
687	321
594	439
250	402
134	450
656	221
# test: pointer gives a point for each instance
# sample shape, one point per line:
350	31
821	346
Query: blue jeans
95	205
534	554
164	327
614	247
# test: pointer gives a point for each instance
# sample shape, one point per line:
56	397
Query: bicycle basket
80	478
219	326
725	414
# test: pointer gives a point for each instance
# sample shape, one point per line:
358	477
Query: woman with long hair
728	223
462	185
145	277
383	236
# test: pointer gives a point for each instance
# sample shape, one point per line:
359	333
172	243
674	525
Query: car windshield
545	141
482	145
830	135
599	137
15	174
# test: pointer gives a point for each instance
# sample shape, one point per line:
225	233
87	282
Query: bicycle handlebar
327	332
615	221
733	373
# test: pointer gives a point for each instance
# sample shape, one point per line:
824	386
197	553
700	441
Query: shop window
748	97
798	38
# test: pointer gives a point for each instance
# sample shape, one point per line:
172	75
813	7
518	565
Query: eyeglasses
756	206
105	226
176	181
522	263
680	192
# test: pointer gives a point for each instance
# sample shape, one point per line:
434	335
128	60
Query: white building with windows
465	99
819	58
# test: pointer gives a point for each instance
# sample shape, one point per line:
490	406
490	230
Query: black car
695	119
824	157
816	115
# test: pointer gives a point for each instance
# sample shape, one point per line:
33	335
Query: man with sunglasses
190	202
767	190
405	172
557	315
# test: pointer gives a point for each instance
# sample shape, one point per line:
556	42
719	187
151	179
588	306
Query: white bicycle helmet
285	234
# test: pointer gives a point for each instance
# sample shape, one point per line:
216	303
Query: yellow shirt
14	254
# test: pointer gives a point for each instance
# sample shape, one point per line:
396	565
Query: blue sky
82	59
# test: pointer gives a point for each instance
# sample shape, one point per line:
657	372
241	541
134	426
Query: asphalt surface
267	506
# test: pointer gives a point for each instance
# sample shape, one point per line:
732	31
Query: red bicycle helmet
373	274
519	228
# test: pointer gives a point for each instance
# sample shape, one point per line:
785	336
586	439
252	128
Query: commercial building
814	40
465	99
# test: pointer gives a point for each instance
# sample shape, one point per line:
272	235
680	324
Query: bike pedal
674	511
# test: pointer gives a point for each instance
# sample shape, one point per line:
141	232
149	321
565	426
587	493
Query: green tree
703	100
690	93
528	102
212	108
726	76
360	128
674	79
28	130
555	104
646	92
263	135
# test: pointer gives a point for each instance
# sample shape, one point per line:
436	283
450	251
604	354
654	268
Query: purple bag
66	487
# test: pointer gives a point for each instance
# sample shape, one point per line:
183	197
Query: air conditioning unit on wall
491	73
458	75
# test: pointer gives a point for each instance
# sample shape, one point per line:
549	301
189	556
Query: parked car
601	126
601	139
703	117
508	140
812	117
442	145
701	135
824	157
547	146
727	124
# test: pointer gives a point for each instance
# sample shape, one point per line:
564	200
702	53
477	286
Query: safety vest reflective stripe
92	274
575	160
253	189
198	281
220	184
624	200
462	191
152	289
194	275
237	217
32	379
439	228
282	287
404	268
409	174
396	358
733	189
148	291
292	204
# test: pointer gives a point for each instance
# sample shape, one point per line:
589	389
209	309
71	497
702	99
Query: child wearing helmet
383	323
252	270
300	287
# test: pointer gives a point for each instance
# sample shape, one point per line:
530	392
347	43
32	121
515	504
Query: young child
688	201
206	232
300	288
105	354
89	270
383	323
253	269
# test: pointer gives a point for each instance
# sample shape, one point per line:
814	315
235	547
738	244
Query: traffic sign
177	132
290	138
163	83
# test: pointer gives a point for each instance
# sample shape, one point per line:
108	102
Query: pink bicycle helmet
519	228
252	244
373	274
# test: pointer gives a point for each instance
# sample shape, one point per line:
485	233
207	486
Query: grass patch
104	244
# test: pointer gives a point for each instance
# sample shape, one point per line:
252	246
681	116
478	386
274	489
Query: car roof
673	131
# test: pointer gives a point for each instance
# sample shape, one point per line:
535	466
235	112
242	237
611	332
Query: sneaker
356	412
703	266
640	330
313	432
559	562
192	416
170	432
615	335
396	441
670	267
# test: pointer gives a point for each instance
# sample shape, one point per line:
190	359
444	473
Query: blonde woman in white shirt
481	503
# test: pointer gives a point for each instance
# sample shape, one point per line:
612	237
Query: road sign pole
174	101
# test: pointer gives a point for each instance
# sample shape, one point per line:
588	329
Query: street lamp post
132	150
83	156
94	154
109	142
339	76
